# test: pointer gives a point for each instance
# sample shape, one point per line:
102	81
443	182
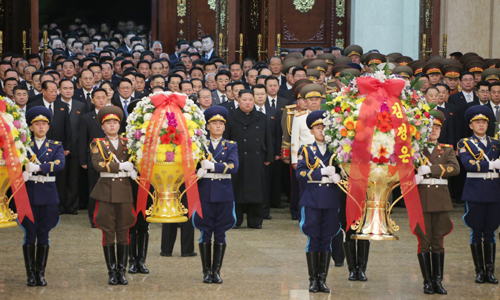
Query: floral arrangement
169	140
16	121
342	111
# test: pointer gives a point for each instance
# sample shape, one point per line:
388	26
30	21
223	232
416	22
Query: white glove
330	171
31	168
494	164
127	166
207	165
418	179
335	178
26	176
422	170
133	174
201	172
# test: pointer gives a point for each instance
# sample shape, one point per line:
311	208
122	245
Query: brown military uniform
435	198
114	213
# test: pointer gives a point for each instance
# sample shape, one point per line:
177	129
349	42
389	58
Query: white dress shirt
215	142
47	105
261	109
271	101
114	141
321	147
469	97
220	96
39	142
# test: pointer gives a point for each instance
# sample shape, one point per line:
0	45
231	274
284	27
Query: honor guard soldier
216	194
320	202
42	192
479	155
114	212
439	163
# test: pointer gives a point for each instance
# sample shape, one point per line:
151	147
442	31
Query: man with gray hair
210	81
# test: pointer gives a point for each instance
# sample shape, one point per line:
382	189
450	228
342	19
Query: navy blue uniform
216	194
482	204
319	203
43	196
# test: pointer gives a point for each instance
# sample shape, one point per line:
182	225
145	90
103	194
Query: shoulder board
446	145
291	106
99	140
124	138
306	145
465	139
300	113
230	142
53	142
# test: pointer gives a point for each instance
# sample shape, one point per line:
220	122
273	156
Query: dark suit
31	93
448	129
116	101
81	96
89	130
255	146
229	105
60	128
212	56
272	183
458	99
281	103
68	181
287	94
173	59
215	98
35	98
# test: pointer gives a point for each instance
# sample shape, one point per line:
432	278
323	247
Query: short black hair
443	84
234	63
466	73
64	80
298	69
494	84
124	80
431	88
196	68
175	76
308	48
208	36
223	73
144	62
46	82
111	85
271	77
20	87
185	82
245	91
11	79
100	90
483	83
259	86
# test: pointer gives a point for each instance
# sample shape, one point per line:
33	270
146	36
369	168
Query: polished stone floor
259	264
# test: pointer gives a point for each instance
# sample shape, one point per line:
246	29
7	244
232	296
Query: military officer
451	75
433	70
321	66
404	71
114	213
286	126
354	52
491	75
439	163
320	202
216	194
42	192
479	155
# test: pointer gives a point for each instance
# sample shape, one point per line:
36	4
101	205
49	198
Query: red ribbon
14	169
164	104
361	156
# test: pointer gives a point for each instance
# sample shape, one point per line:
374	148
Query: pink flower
22	137
418	123
198	132
137	134
169	156
339	120
17	124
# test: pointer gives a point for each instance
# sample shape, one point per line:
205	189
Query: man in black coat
90	129
60	129
250	129
461	99
272	183
122	99
70	181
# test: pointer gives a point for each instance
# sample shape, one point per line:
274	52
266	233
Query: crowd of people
268	103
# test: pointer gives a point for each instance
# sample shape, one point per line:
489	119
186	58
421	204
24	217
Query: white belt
434	181
324	180
42	179
217	176
484	175
114	175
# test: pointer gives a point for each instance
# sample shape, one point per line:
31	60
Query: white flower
8	118
187	116
147	117
139	154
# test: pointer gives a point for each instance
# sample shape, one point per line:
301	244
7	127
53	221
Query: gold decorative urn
7	216
375	223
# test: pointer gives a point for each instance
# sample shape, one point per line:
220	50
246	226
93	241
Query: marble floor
259	264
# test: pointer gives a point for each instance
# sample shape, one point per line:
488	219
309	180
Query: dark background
63	12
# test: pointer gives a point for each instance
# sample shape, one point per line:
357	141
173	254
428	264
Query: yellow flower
145	125
360	100
349	123
347	148
338	99
18	153
406	105
160	153
350	133
426	107
178	157
192	125
15	133
344	105
15	115
194	147
178	150
169	148
191	132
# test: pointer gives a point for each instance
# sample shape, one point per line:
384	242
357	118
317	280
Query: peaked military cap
313	74
318	64
216	113
38	113
403	71
375	58
491	74
328	57
315	118
313	90
452	71
475	66
111	112
433	68
353	50
478	112
404	60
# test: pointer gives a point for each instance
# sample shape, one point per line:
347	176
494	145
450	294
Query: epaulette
465	139
291	106
446	145
53	142
99	140
300	113
230	142
124	138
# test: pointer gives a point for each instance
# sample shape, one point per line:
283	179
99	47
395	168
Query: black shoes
42	253
121	268
267	217
477	257
362	259
437	273
165	254
489	262
142	252
324	263
312	268
219	250
188	254
350	256
424	260
132	238
29	262
206	261
110	257
317	266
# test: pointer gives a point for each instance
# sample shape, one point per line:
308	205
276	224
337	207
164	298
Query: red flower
177	139
384	126
417	117
383	160
165	139
375	160
427	114
171	130
338	109
348	109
